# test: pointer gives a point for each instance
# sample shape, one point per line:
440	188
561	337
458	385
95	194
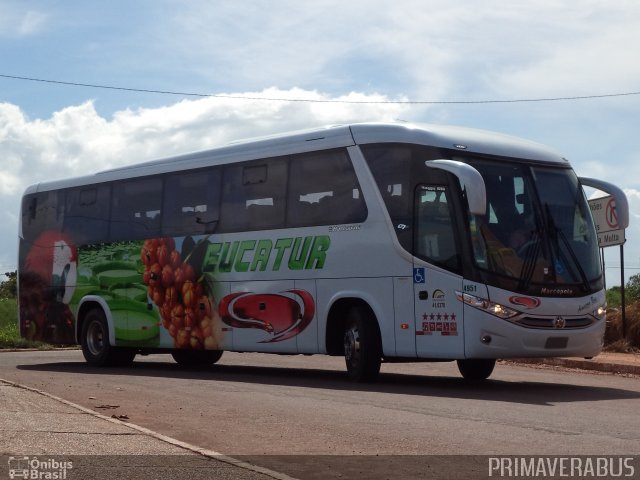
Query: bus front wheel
95	343
196	358
362	346
477	368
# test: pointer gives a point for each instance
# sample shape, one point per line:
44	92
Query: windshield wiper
567	244
529	266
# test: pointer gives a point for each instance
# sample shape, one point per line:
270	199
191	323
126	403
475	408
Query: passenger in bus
524	226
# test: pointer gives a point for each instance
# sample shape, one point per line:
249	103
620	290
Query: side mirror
471	180
622	204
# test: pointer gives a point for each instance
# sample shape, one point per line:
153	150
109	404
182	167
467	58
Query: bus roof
466	140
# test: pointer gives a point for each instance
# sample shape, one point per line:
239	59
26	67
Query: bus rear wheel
476	369
95	343
196	358
362	346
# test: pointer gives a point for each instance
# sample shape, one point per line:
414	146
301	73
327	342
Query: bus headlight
501	311
472	300
600	312
491	307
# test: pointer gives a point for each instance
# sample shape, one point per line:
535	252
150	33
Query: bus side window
435	238
253	195
40	212
135	208
324	190
391	168
191	203
87	213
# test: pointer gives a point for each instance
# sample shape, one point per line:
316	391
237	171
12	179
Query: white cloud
634	208
31	22
9	183
426	49
16	21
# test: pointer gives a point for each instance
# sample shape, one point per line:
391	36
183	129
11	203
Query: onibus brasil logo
35	468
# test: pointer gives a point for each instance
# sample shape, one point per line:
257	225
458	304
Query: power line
315	100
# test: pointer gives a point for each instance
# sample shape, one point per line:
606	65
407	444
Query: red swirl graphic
527	302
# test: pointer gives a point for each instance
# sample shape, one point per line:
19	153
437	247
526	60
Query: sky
231	67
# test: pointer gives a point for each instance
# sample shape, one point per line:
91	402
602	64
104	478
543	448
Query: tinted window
324	190
136	208
40	212
191	203
391	167
435	229
253	195
401	173
87	213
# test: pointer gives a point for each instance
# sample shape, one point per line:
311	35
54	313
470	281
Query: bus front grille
552	323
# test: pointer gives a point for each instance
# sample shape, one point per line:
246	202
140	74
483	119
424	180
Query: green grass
9	331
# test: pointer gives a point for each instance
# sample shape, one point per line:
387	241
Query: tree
614	297
632	288
9	288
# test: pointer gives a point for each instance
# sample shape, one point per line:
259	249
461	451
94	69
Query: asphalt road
297	414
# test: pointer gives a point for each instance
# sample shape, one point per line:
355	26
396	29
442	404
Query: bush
9	333
614	340
9	330
614	297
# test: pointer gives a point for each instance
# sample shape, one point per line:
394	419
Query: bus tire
362	346
476	369
196	358
95	343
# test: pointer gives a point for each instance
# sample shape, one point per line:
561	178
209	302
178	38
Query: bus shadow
524	392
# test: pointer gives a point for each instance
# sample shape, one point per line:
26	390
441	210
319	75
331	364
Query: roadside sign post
605	217
624	317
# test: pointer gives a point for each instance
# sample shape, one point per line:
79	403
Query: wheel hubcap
351	344
95	338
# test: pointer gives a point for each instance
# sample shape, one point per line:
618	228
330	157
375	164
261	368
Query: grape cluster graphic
186	310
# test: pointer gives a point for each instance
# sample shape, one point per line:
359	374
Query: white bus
379	242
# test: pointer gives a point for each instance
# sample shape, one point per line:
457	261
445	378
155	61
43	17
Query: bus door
436	275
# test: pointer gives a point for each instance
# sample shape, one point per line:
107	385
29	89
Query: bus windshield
537	228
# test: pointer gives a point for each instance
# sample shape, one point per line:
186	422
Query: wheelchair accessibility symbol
418	275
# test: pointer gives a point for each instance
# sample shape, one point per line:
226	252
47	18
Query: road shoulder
35	424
